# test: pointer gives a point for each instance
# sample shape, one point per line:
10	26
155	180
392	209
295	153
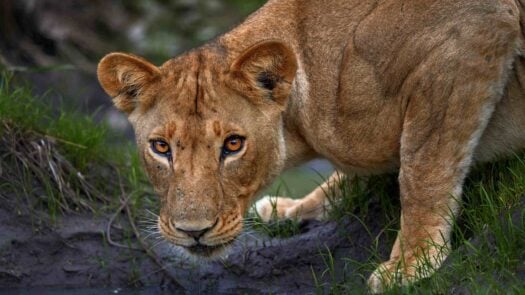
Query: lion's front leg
433	167
312	206
443	123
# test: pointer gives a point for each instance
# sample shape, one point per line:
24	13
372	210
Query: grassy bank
488	240
58	161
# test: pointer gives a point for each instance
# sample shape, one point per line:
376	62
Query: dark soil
75	254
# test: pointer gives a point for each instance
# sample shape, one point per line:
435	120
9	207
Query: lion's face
209	134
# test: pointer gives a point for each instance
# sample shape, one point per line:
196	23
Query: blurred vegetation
166	27
47	32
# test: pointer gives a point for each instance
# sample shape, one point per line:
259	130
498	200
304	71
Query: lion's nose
195	233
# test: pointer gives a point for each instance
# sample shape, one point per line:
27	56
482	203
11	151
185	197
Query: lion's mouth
208	251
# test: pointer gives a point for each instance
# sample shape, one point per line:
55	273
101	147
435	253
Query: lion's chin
201	251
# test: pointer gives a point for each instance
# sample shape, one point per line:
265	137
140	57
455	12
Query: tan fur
425	87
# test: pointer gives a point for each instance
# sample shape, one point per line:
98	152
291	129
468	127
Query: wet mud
74	256
74	253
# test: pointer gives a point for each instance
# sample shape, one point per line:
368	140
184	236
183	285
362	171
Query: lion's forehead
194	101
193	83
194	128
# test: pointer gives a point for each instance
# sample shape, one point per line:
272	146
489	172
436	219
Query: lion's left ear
125	77
266	69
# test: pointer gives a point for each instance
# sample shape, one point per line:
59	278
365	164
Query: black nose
196	234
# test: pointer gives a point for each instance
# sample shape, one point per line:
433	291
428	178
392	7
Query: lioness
423	87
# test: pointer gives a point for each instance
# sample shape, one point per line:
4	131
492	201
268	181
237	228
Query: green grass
63	161
488	249
81	140
275	228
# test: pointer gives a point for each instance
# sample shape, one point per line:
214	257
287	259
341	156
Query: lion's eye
232	145
161	147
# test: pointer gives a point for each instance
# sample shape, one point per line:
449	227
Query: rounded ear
266	69
124	77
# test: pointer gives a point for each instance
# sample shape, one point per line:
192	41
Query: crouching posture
423	87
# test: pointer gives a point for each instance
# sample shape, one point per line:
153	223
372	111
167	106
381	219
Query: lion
425	88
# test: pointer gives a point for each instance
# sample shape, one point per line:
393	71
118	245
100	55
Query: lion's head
209	131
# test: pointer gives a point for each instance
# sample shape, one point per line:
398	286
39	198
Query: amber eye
232	145
160	147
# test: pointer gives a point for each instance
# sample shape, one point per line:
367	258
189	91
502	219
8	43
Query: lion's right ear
124	77
266	69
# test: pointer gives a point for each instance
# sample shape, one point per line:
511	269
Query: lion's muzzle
199	238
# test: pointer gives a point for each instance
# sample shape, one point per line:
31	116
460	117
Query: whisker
153	235
151	213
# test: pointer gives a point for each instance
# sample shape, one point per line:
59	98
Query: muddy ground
74	253
74	257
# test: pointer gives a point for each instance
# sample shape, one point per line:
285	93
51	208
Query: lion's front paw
270	207
386	276
396	272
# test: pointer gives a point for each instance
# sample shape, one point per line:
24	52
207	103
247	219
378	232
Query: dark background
56	44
